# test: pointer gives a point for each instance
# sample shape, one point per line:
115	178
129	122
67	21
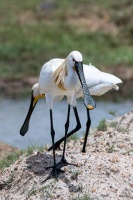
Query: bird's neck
71	79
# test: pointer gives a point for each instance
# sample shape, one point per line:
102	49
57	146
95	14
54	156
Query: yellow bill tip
90	107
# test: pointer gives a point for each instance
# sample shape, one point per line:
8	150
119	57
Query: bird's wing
95	77
90	67
99	82
102	88
109	78
46	79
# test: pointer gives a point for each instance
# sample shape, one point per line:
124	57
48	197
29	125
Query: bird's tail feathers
106	77
115	87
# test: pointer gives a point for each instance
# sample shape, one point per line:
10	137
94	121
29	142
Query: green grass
73	137
102	125
30	34
11	158
8	181
75	174
113	113
86	197
110	149
113	124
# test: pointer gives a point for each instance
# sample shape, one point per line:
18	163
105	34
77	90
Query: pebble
115	159
93	189
115	169
121	145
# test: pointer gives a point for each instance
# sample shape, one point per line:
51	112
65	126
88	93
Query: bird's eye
73	59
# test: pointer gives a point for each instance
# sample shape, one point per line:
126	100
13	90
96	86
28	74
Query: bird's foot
55	171
83	150
64	162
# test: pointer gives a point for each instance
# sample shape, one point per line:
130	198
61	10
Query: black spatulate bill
25	125
88	100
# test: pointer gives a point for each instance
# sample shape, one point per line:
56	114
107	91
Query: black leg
52	136
55	170
78	126
25	125
88	124
63	161
66	130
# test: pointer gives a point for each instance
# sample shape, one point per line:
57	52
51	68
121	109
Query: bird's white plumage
54	83
58	78
36	93
97	81
35	89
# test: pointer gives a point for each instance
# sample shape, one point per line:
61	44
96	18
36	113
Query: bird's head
35	90
36	93
73	57
76	61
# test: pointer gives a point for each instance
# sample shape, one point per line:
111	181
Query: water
13	113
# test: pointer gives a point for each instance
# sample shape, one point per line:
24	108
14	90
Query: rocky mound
105	171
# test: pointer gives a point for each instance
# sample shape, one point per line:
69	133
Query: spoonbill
59	77
98	83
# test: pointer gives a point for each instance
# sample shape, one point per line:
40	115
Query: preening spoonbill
59	77
98	83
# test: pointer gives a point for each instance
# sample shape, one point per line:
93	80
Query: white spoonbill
98	83
59	77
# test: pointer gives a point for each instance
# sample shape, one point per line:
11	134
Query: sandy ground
105	171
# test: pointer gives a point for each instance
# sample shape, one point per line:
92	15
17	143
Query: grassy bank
15	155
33	32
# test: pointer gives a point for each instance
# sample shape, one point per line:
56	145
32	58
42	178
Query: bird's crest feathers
60	73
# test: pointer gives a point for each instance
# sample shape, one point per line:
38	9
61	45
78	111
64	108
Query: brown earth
20	88
6	149
16	88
